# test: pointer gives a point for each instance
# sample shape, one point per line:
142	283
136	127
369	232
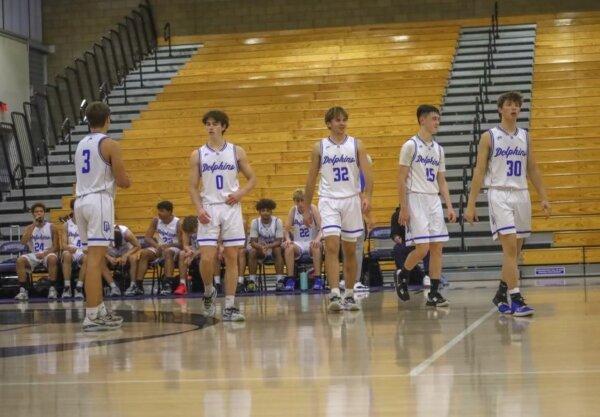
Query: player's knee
289	250
52	259
422	249
22	261
67	256
277	251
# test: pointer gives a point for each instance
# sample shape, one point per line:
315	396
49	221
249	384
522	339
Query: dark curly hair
265	203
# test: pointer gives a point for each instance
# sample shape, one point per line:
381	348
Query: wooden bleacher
276	88
565	133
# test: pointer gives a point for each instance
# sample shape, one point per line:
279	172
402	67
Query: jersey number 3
86	161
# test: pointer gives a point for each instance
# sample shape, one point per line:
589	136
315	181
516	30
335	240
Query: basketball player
421	177
166	248
42	239
72	252
301	240
266	236
216	194
504	163
98	166
339	157
122	252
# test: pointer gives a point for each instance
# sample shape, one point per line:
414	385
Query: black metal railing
49	117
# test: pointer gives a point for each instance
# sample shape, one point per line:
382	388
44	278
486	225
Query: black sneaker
436	300
280	285
166	288
240	289
401	287
501	302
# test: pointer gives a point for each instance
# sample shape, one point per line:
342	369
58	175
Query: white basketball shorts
341	217
226	222
95	218
510	212
426	223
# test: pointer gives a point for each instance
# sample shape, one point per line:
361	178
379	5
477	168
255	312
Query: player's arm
288	225
311	180
534	174
26	237
135	244
317	217
483	153
111	152
248	172
195	187
254	235
443	185
407	154
55	240
278	235
365	167
150	232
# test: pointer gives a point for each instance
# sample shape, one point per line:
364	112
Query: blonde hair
298	194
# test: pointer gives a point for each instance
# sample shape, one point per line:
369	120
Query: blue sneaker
519	308
290	284
504	308
501	301
319	284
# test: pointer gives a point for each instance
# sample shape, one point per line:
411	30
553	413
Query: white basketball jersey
218	169
266	233
93	173
167	233
301	232
73	234
41	238
507	167
424	160
339	169
123	230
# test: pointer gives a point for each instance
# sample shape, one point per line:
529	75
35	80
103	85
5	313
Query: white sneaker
210	309
100	323
426	281
52	293
109	315
335	303
67	293
115	292
360	287
350	304
23	295
78	293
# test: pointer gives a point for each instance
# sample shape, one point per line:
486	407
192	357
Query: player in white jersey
302	240
216	194
163	239
421	177
98	167
72	251
266	236
122	253
505	159
340	158
42	239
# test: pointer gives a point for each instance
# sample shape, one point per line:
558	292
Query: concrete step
55	180
38	193
180	48
492	89
470	99
508	48
497	80
507	34
478	43
469	109
151	75
496	57
136	91
498	64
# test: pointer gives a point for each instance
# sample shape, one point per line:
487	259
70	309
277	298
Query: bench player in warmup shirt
72	252
340	158
42	239
98	168
504	163
421	177
266	236
216	194
302	240
165	246
122	252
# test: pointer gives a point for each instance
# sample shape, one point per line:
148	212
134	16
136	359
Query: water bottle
303	281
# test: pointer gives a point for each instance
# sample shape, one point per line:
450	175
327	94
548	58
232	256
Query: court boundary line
417	370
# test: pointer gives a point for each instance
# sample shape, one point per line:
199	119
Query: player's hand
122	260
308	217
286	244
546	207
315	243
29	229
203	216
451	214
234	198
471	214
403	217
398	240
365	205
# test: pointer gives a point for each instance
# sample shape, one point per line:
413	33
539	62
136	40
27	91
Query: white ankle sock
335	291
217	279
349	293
229	301
514	291
113	285
91	312
240	280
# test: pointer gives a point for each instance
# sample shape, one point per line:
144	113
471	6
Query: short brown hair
36	205
218	116
190	224
298	194
97	113
510	96
334	113
424	110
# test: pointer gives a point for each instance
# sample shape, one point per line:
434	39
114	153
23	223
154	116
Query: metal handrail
114	57
144	30
69	93
167	36
148	8
130	42
121	48
90	84
137	36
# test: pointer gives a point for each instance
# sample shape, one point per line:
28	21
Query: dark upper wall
72	25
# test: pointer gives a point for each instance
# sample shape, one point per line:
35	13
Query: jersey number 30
514	168
340	174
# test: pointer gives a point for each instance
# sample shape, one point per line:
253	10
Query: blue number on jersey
219	179
304	232
514	168
38	247
86	161
430	174
340	174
